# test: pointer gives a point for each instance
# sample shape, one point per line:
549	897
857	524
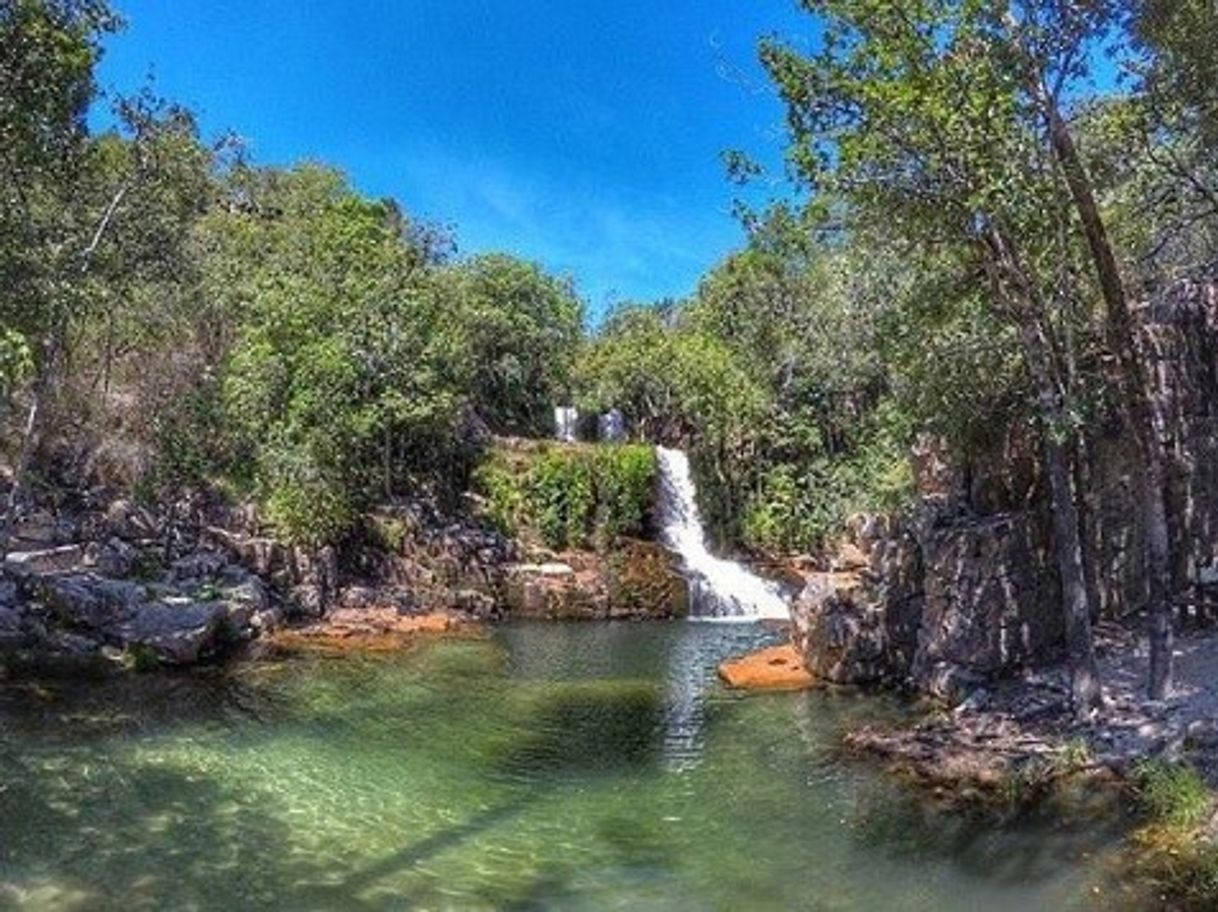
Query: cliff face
965	588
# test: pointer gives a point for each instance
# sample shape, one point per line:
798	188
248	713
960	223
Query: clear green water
589	767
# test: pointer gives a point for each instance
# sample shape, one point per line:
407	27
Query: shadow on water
1005	846
132	827
588	730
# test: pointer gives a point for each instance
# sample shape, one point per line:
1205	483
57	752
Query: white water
566	424
719	589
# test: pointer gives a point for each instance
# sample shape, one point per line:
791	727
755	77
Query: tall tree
908	114
1047	44
51	226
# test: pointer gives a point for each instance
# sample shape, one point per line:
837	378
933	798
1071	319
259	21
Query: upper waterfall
719	589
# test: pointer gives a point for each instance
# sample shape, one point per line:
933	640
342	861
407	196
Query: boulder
307	601
244	602
839	629
43	529
89	601
178	633
64	644
130	522
111	558
198	566
10	626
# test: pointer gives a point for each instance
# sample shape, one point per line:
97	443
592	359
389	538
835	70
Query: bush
561	498
569	496
1172	794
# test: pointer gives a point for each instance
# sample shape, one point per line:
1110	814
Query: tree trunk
1028	314
29	438
1067	539
1137	400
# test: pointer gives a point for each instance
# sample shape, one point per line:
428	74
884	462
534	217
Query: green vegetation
973	226
1172	794
1173	853
570	496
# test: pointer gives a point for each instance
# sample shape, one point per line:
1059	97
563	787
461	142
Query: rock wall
934	604
965	588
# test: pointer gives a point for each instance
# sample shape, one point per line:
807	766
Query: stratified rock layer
965	587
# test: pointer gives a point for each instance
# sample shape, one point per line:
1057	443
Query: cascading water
719	589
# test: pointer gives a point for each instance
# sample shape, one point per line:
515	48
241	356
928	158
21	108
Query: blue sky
584	135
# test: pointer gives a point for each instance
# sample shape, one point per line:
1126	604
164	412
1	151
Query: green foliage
140	658
522	328
345	380
624	478
16	360
560	494
1172	794
801	503
570	496
1172	853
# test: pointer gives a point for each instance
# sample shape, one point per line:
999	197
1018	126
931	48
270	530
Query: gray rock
178	633
46	560
130	522
10	627
111	558
201	565
72	645
267	619
307	600
252	594
90	601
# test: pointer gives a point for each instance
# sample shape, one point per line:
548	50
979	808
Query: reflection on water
596	766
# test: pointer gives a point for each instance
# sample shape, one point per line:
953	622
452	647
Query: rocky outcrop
965	588
634	579
81	614
938	605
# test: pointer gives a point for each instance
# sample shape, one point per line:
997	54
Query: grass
1172	794
1173	851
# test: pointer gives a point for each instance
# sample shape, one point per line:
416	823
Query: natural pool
595	766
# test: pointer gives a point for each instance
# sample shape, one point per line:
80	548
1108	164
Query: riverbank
1015	743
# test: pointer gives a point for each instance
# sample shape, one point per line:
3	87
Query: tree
347	375
522	328
80	214
913	114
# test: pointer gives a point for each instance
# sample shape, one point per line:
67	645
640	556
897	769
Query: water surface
550	766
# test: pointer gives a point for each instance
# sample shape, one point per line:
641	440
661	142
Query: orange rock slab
775	668
371	630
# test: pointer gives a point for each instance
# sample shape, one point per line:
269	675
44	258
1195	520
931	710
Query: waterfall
566	424
719	589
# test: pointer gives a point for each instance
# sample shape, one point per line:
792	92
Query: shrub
1172	794
569	496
